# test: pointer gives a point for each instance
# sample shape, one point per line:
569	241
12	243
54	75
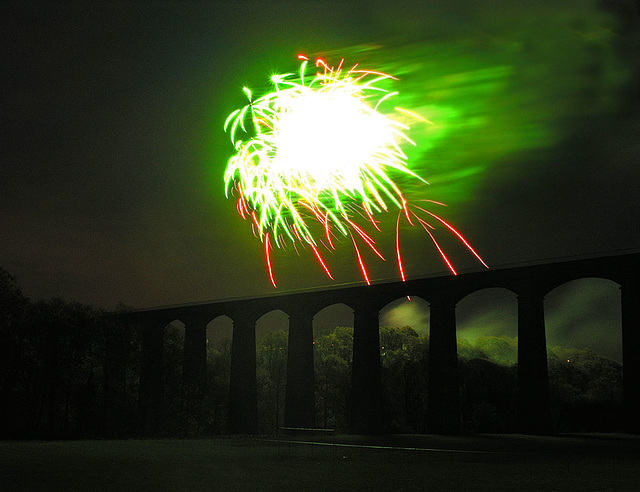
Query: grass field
492	463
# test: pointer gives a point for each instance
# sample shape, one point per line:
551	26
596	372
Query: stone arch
270	321
219	329
568	278
573	304
407	311
488	312
530	283
330	371
584	346
404	399
176	323
218	339
331	316
272	332
487	326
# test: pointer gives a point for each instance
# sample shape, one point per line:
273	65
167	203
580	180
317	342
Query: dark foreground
492	463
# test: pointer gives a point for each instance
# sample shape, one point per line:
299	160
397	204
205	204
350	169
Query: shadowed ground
493	463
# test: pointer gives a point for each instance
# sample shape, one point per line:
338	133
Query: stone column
243	400
443	404
630	295
151	398
533	380
366	385
194	369
195	351
299	407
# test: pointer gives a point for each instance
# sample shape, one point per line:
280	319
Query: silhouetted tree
585	390
404	357
216	397
333	355
271	367
14	356
487	396
119	351
62	375
66	371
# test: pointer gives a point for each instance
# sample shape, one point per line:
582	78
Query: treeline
68	372
55	378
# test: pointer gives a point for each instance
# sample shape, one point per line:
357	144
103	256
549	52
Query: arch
219	330
332	316
271	321
499	289
584	345
585	312
404	364
272	329
333	355
407	311
487	332
530	283
489	312
570	278
176	324
213	414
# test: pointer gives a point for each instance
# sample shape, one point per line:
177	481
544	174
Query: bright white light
328	138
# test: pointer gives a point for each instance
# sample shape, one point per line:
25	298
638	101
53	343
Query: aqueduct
529	283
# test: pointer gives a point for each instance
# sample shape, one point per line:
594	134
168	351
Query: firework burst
320	155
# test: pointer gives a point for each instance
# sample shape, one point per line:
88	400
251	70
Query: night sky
111	185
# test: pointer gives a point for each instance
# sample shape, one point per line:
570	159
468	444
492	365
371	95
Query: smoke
405	312
585	314
580	314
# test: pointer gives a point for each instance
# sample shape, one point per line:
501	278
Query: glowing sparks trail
320	155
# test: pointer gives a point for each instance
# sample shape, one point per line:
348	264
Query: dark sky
111	184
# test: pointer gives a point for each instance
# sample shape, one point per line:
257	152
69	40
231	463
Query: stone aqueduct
529	283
